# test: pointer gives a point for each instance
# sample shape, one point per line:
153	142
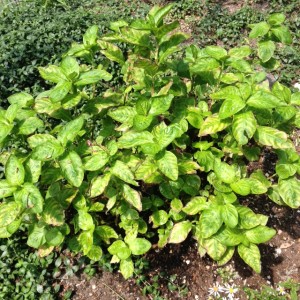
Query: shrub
162	156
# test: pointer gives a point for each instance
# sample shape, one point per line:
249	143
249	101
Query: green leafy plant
285	290
160	157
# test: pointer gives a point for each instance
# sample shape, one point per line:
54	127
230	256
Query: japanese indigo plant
162	156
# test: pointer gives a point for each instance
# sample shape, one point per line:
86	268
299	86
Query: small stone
196	297
187	262
297	85
285	245
279	231
93	286
278	251
207	267
90	294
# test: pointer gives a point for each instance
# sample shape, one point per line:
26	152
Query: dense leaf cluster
35	33
160	157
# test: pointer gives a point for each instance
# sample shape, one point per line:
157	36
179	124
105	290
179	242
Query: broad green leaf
226	256
85	221
33	169
194	117
8	213
47	151
242	186
122	171
257	187
259	29
53	212
231	106
30	125
226	92
213	124
120	249
93	76
90	36
85	240
95	253
139	246
283	34
216	52
132	197
158	13
214	248
141	122
106	233
69	131
96	161
171	45
36	236
285	170
71	100
191	184
282	92
179	232
52	73
206	160
204	65
40	139
14	225
60	91
224	172
5	128
21	99
12	112
243	127
4	233
248	219
266	50
111	51
54	237
229	215
96	207
269	136
195	205
71	167
70	67
241	65
99	184
145	170
126	268
6	189
43	104
14	171
240	52
210	221
158	218
276	19
165	135
251	256
160	104
30	197
132	139
264	99
289	190
123	114
229	78
167	164
229	236
260	234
